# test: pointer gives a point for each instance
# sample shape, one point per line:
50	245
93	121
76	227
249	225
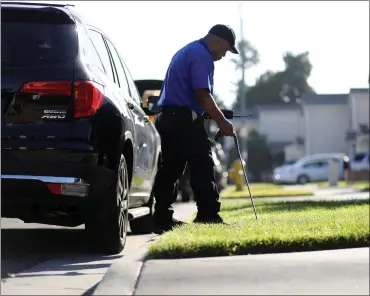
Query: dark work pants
184	140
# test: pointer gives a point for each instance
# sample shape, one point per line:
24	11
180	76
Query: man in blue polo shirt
187	93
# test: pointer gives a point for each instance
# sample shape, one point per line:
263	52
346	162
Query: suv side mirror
152	108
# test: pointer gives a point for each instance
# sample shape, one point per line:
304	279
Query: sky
148	34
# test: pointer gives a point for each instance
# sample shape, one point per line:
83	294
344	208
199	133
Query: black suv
77	145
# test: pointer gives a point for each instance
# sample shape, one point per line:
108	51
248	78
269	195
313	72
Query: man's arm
200	77
206	100
200	80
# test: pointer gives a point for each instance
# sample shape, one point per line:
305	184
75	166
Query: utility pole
242	89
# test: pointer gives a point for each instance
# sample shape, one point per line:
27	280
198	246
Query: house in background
357	135
283	126
242	126
327	118
322	123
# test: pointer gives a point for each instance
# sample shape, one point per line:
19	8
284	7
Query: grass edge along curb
269	249
164	248
263	193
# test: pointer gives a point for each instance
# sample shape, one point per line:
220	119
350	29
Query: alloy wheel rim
122	198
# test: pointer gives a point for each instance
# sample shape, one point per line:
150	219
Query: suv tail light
88	95
88	98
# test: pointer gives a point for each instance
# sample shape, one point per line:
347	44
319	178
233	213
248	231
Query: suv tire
107	229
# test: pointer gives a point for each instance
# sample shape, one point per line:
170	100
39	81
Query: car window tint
98	42
134	91
88	50
311	165
27	41
122	79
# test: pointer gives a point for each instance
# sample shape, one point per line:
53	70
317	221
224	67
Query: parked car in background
284	166
360	161
77	148
310	168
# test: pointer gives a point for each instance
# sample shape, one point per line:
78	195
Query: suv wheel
108	227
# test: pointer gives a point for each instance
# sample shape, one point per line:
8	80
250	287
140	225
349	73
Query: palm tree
248	57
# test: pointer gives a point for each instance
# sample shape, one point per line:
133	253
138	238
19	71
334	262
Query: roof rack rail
36	3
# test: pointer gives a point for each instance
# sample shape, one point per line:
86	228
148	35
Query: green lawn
263	190
281	227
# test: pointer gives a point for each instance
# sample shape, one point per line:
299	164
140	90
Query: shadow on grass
269	195
296	206
365	189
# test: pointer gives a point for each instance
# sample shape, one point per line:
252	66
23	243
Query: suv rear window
36	37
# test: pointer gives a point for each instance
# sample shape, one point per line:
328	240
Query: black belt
181	109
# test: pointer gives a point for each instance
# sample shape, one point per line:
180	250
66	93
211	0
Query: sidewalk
337	272
333	272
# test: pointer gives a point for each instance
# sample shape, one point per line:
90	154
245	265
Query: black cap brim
233	49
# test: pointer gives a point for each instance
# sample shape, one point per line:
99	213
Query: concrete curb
123	275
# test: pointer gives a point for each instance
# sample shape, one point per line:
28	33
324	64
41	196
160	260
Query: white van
310	168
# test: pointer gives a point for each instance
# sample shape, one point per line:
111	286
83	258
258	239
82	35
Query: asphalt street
33	254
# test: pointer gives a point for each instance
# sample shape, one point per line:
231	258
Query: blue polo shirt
190	69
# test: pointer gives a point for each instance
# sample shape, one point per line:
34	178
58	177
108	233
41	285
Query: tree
297	71
281	87
259	156
249	57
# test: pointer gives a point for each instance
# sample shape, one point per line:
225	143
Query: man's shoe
160	227
214	219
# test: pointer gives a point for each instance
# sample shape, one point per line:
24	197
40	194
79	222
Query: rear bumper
29	182
64	186
22	190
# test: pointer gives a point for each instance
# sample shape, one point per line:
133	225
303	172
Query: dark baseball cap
225	32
